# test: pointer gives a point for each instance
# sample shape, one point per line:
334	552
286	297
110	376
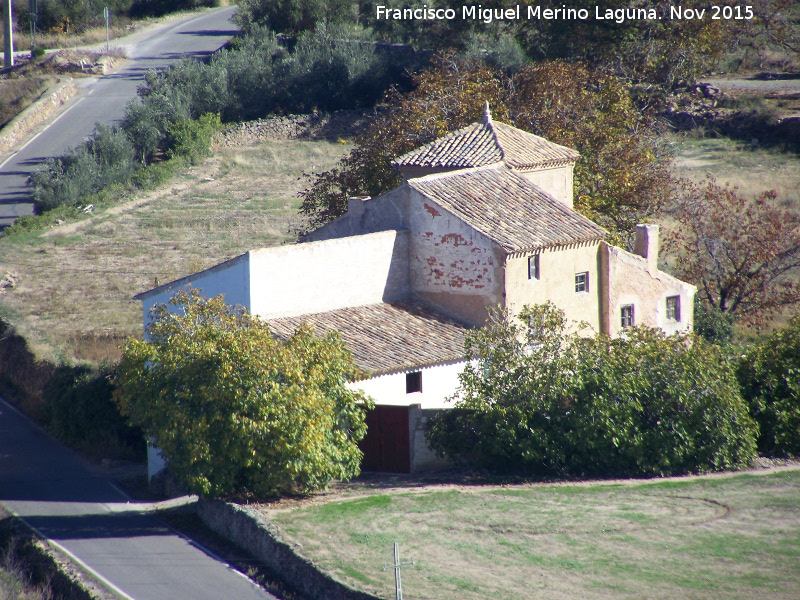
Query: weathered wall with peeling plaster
450	264
630	281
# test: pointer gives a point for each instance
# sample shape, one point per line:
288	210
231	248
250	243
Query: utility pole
8	31
33	10
107	15
398	587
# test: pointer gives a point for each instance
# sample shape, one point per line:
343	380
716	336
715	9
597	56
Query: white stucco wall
438	384
328	275
231	279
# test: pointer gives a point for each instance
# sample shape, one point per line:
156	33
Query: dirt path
766	83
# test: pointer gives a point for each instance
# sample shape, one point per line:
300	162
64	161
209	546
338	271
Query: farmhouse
483	218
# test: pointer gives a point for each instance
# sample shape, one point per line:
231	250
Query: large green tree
538	398
623	176
234	410
770	377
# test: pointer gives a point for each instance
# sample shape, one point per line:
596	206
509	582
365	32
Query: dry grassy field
76	282
730	536
752	170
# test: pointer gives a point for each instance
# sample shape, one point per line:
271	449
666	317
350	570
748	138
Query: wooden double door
386	445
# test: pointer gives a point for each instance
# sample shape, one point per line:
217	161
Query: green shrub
80	412
769	374
292	16
108	157
233	409
711	324
539	400
192	139
37	52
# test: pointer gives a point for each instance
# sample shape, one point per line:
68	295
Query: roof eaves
412	366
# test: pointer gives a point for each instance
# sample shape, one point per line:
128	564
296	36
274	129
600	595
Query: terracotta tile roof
387	338
507	208
486	143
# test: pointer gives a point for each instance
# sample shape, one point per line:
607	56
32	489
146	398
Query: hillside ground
74	284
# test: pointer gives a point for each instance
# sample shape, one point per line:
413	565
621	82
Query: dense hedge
539	400
769	374
72	403
80	412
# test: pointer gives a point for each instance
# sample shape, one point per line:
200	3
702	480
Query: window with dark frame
533	267
413	382
674	308
627	315
582	282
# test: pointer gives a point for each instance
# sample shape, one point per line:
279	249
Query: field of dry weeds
75	283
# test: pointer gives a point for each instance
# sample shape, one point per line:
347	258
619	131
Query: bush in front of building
769	374
233	410
538	399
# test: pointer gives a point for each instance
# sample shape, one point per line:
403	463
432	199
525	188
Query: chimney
646	245
355	205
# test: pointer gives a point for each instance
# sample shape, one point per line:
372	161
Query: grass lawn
751	170
701	538
76	282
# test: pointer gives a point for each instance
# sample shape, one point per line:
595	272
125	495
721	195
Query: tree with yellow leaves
234	410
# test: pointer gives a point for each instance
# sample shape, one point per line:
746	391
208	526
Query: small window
533	267
413	382
627	316
674	308
581	282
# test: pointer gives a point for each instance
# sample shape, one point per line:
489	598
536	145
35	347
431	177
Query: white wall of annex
438	384
229	279
328	275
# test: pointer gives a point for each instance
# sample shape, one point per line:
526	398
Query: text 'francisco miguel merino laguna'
619	15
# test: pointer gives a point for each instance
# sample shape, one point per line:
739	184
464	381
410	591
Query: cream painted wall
630	282
438	383
327	275
557	269
556	181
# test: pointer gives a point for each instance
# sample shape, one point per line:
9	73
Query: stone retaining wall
247	528
36	113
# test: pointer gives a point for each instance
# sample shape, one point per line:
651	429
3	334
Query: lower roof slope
387	337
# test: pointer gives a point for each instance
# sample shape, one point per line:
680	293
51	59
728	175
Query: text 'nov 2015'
477	12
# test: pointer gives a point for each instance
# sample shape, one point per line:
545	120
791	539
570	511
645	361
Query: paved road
103	99
53	491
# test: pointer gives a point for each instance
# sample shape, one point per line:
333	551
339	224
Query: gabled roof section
486	143
387	338
507	208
